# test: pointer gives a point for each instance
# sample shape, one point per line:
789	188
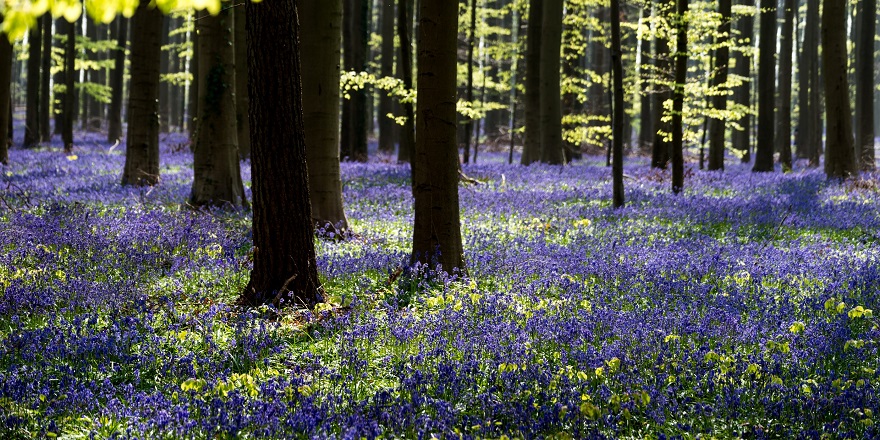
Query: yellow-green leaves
797	327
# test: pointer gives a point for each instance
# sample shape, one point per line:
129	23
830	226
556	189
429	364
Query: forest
438	219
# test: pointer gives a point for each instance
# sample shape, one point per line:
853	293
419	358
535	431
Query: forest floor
742	308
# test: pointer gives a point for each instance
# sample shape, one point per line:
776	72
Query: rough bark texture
142	139
661	146
320	47
617	108
45	79
717	127
114	123
742	95
284	243
5	79
766	88
532	98
241	83
551	96
217	173
354	110
867	15
840	160
407	147
70	75
32	114
783	133
681	57
386	103
437	227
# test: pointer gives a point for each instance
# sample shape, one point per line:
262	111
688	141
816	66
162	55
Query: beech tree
114	125
407	147
783	134
241	83
550	94
766	88
532	140
70	76
45	106
5	93
717	126
32	114
867	14
661	146
355	33
681	58
617	122
840	160
742	94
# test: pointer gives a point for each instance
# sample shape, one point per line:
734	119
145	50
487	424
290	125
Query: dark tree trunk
717	127
5	94
617	119
742	95
45	79
58	79
681	58
114	127
175	104
70	75
165	86
646	120
471	43
320	46
867	15
216	166
386	103
437	225
840	160
766	88
193	97
811	119
532	98
354	110
142	140
242	99
551	96
32	115
406	151
661	146
284	243
783	135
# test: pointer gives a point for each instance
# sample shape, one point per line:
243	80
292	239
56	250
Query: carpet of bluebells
743	308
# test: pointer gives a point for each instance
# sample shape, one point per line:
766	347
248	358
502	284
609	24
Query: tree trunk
814	125
661	146
717	127
32	115
5	94
617	108
114	127
216	166
284	269
386	103
532	98
766	88
45	79
646	122
241	84
193	97
165	86
320	47
742	95
681	59
354	110
803	84
142	139
867	15
59	99
551	96
783	135
472	36
70	75
437	226
840	160
407	147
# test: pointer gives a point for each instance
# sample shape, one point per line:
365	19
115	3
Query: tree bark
783	134
766	88
471	45
386	103
717	127
32	114
5	95
551	96
661	146
742	95
320	47
681	58
45	80
617	108
812	119
437	227
284	269
216	166
646	121
406	150
142	139
241	83
70	98
114	126
532	98
867	14
840	160
61	26
354	110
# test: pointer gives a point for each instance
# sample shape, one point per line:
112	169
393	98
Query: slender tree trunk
386	103
32	115
661	146
58	79
354	110
766	88
742	95
70	75
617	120
681	58
5	94
406	151
551	96
717	128
142	140
803	84
216	166
242	98
472	37
646	121
815	126
437	227
284	245
194	85
840	160
532	141
320	47
783	134
114	127
867	14
165	86
45	79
